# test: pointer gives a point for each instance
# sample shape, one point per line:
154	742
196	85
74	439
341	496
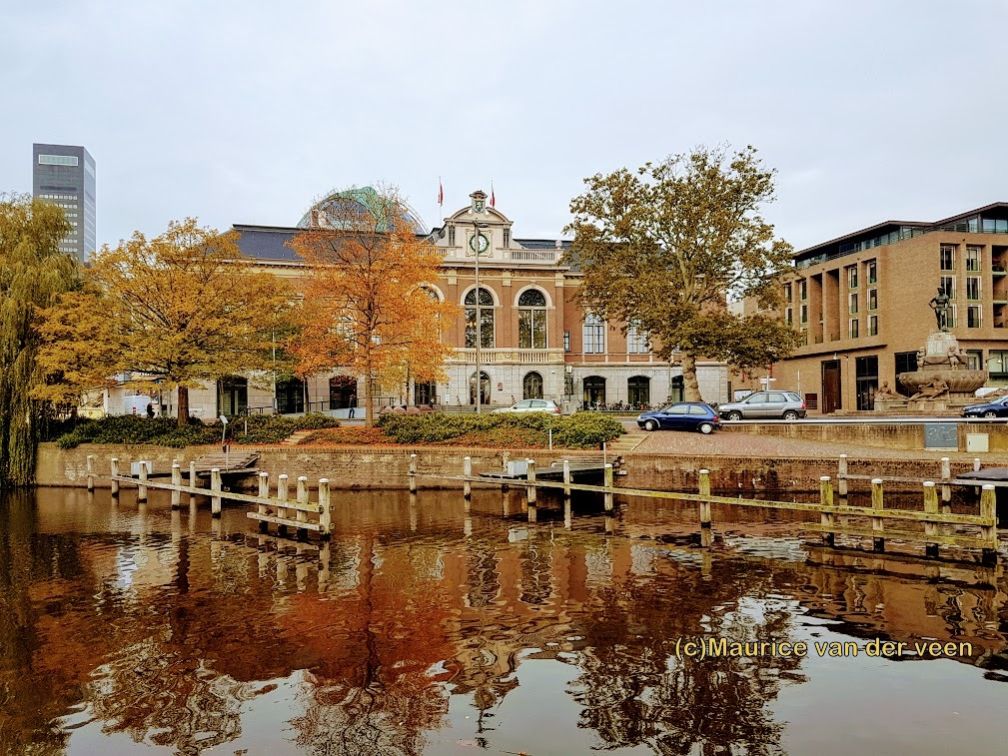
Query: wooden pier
836	518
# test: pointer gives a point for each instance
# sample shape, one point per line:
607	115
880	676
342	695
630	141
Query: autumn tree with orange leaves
366	307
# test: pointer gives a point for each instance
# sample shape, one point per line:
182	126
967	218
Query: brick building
861	303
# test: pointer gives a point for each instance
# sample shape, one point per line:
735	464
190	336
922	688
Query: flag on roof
440	192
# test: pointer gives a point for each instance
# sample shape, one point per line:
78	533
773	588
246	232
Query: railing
500	356
533	255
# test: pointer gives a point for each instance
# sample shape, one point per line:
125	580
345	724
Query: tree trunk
368	399
183	405
691	388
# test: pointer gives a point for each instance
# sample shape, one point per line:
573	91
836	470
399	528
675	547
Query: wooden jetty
836	518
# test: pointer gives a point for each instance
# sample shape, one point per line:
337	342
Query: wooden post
877	523
192	481
566	479
976	464
412	473
263	494
841	483
608	482
114	464
281	498
505	458
90	472
946	490
703	510
467	473
826	518
215	488
325	509
930	507
302	499
142	485
530	490
176	481
988	511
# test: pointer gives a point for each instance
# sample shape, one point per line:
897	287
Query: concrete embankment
386	467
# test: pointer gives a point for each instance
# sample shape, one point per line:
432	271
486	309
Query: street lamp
478	243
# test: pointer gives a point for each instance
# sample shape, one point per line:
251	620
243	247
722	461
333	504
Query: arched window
639	391
486	304
532	319
593	335
532	386
484	388
594	392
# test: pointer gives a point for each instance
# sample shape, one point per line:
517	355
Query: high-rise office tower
65	176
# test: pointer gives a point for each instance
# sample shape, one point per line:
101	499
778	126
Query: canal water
424	628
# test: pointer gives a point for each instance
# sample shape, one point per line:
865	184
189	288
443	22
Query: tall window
871	268
873	325
804	313
532	320
639	391
593	335
507	238
853	331
636	340
974	359
947	256
852	309
789	316
948	284
973	257
451	235
973	288
872	299
973	316
803	289
852	277
486	319
566	341
532	386
787	293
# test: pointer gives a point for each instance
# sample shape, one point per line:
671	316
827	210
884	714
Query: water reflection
423	627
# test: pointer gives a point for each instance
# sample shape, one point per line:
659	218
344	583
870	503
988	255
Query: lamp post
477	207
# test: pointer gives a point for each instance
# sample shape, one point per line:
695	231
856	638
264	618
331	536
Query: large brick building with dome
535	339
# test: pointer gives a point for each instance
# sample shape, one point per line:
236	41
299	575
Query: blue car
994	408
692	416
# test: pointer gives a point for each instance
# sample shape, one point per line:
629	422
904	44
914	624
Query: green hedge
580	430
162	431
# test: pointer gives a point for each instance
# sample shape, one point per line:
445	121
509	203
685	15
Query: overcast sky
244	112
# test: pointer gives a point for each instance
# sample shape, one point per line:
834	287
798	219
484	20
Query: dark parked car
693	416
994	408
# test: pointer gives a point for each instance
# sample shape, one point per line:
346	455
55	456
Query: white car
532	405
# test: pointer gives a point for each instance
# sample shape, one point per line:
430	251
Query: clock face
479	243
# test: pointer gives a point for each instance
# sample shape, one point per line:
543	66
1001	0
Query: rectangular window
803	289
566	341
593	335
853	305
973	257
637	341
852	277
953	319
789	316
947	256
507	238
974	359
58	160
872	299
997	363
973	288
451	236
873	325
853	330
804	313
973	316
948	284
871	268
787	293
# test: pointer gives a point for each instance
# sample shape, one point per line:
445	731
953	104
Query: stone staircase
296	438
627	442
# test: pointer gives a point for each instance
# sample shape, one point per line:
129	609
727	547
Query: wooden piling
988	511
302	499
281	498
608	486
412	473
566	479
467	473
878	524
263	494
142	485
114	465
976	464
192	482
325	509
90	472
530	490
842	476
826	518
176	479
946	489
215	488
704	510
930	528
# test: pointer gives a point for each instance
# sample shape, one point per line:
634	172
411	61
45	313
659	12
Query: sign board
941	436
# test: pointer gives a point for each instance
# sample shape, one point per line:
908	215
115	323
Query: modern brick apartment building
861	303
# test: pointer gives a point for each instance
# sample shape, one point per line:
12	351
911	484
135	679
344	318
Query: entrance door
830	386
594	392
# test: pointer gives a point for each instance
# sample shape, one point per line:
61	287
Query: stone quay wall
907	436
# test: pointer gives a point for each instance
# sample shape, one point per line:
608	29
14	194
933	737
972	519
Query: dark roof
267	242
543	243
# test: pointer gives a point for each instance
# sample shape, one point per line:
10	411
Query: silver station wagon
763	405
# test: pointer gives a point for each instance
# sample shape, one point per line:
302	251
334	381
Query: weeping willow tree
33	273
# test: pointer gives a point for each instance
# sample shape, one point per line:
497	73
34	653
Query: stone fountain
942	381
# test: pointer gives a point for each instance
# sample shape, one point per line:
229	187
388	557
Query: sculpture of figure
940	304
957	355
932	390
884	391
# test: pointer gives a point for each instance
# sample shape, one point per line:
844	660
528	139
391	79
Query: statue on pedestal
940	304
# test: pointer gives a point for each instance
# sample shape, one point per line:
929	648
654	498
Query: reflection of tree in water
635	692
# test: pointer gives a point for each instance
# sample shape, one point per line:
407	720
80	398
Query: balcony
508	356
533	256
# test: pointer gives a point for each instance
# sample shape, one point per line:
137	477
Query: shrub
582	430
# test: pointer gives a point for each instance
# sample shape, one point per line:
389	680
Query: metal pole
479	321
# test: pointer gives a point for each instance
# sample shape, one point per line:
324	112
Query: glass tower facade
65	175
